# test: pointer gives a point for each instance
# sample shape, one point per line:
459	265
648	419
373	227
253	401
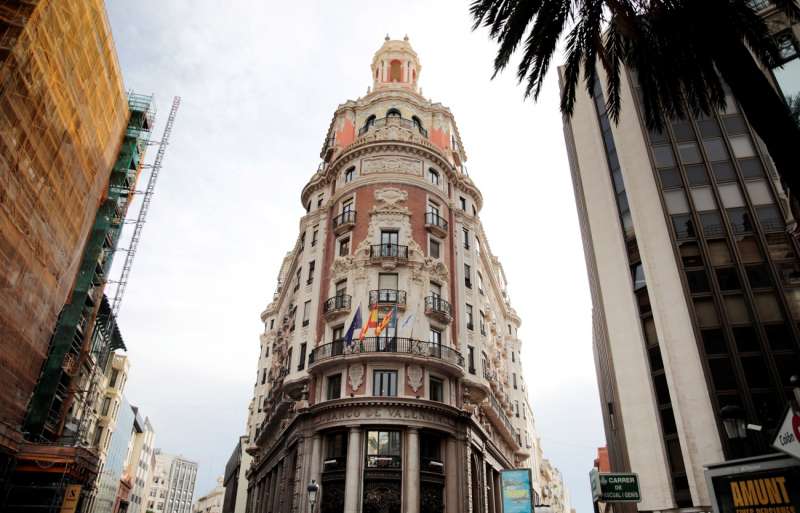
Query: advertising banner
767	487
517	491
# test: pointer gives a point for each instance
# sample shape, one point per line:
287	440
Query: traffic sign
788	437
614	487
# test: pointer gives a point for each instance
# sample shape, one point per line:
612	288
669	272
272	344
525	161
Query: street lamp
313	490
733	421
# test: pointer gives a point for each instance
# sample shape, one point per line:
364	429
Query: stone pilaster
411	486
352	490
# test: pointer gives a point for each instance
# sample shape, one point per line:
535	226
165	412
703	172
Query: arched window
395	71
369	122
393	113
417	123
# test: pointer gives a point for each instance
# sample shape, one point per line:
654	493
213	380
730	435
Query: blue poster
517	491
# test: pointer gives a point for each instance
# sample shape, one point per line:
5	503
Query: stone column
411	486
453	474
352	491
316	458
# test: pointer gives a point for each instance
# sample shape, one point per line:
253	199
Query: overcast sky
260	82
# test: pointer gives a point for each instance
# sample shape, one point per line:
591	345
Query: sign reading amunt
771	486
400	413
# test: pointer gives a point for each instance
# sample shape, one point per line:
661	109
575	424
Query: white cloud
260	82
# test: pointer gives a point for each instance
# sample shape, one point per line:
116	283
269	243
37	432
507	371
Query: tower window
348	175
395	71
433	176
393	113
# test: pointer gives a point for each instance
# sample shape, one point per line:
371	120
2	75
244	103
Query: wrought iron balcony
498	410
387	297
336	305
397	345
438	308
436	224
344	221
388	251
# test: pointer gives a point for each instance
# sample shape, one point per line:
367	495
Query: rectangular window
341	288
106	404
516	407
387	281
466	238
435	248
467	276
480	282
344	246
338	333
319	200
306	312
348	175
311	265
347	205
302	241
515	380
314	236
114	376
433	208
471	359
384	383
436	392
468	313
433	176
436	290
297	275
435	338
463	202
333	389
483	322
383	449
302	363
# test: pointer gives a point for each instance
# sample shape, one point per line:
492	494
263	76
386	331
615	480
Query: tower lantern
396	65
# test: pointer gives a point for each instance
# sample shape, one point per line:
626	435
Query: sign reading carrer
615	487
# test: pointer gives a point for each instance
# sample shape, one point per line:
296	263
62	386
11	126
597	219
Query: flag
372	322
387	319
409	318
354	325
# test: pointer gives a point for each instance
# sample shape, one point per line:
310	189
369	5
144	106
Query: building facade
423	415
694	281
111	488
172	487
139	463
235	477
212	501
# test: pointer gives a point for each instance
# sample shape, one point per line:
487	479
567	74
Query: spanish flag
372	322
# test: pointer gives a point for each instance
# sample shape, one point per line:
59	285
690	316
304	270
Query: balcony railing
435	221
344	220
388	250
337	303
434	305
498	409
387	297
398	345
393	121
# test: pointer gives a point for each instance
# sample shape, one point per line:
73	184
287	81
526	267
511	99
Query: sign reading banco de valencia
517	491
757	488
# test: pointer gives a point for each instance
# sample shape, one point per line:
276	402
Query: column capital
355	429
412	429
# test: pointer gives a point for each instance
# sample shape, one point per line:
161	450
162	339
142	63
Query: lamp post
313	490
733	421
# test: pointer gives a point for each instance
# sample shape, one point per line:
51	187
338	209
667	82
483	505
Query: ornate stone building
424	416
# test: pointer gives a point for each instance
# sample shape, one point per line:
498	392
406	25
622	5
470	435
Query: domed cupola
396	65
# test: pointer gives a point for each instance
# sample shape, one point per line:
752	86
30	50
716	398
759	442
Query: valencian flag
354	325
386	321
372	322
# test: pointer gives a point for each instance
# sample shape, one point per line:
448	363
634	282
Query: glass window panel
736	309
690	255
793	299
767	307
749	250
627	225
661	388
722	374
657	136
663	157
668	422
650	331
723	171
759	192
674	456
703	198
714	341
734	124
638	277
684	226
670	178
770	218
654	354
789	273
755	371
719	253
682	130
740	220
746	339
696	174
769	410
779	336
742	146
708	127
730	105
616	176
758	276
787	365
698	281
751	168
706	313
715	150
778	246
728	279
730	195
712	224
689	153
676	202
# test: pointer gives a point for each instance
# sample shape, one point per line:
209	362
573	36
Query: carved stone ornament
415	377
356	373
390	199
399	165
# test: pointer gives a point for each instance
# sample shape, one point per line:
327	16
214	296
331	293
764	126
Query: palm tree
682	50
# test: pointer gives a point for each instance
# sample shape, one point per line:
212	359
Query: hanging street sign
788	437
614	487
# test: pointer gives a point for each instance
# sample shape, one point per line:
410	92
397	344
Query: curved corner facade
423	415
